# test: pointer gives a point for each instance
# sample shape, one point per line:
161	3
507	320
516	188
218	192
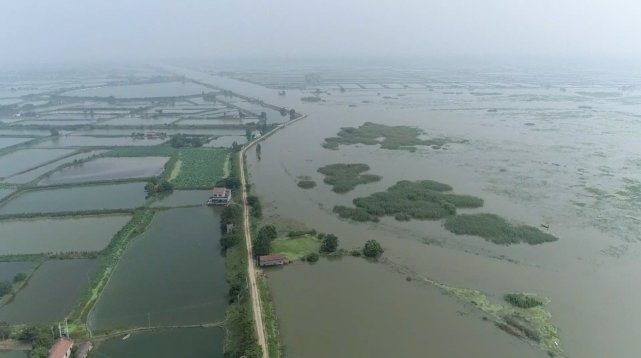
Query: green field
296	248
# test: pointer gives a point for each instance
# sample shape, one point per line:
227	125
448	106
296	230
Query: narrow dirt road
251	268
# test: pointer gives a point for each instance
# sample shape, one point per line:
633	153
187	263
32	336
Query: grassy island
496	229
423	199
345	177
389	137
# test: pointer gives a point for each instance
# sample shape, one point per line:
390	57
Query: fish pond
108	169
26	159
80	198
34	236
173	274
183	198
8	142
41	170
50	293
184	342
88	141
164	89
11	268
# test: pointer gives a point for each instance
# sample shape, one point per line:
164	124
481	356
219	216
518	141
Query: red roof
219	191
60	348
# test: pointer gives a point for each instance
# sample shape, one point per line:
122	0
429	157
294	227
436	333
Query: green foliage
5	288
229	183
255	205
523	300
301	233
201	168
329	243
297	247
39	352
19	277
496	229
158	186
355	253
424	199
181	140
313	257
345	177
262	242
372	249
40	339
310	99
396	137
231	215
306	184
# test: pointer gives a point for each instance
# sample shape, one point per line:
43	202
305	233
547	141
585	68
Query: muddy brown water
537	160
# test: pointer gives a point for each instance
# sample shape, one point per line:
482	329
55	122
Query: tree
372	249
329	244
292	113
262	243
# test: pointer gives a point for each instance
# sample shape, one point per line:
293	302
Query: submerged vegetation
345	177
389	137
424	199
496	229
533	323
306	184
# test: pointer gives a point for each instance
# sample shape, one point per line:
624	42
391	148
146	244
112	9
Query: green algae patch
533	323
345	177
389	137
405	200
495	229
296	248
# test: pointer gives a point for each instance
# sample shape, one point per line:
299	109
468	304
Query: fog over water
77	31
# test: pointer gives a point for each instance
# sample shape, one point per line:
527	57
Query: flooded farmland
172	275
536	155
22	160
108	169
186	342
81	198
51	293
19	237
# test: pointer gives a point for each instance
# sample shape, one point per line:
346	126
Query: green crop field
200	168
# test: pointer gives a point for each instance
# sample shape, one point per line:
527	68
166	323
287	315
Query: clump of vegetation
231	220
345	177
313	257
389	137
424	199
182	140
262	242
306	184
355	253
256	206
311	99
523	300
301	233
496	229
372	249
40	339
329	244
5	288
157	186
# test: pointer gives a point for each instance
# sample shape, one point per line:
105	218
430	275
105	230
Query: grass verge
270	321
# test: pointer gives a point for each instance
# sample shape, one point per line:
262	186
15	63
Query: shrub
19	277
523	300
313	257
372	249
306	184
355	253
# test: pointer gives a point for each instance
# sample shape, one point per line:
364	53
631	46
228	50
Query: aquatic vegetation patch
345	177
532	323
389	137
306	184
523	300
496	229
200	168
423	199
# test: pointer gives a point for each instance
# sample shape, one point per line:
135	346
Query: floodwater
82	141
183	198
172	274
108	169
21	160
5	192
79	198
8	142
11	268
347	308
34	236
50	293
13	354
41	170
165	89
186	342
536	153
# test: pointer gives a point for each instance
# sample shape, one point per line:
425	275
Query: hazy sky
88	30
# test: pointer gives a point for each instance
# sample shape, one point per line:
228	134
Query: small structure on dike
61	349
220	196
272	260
